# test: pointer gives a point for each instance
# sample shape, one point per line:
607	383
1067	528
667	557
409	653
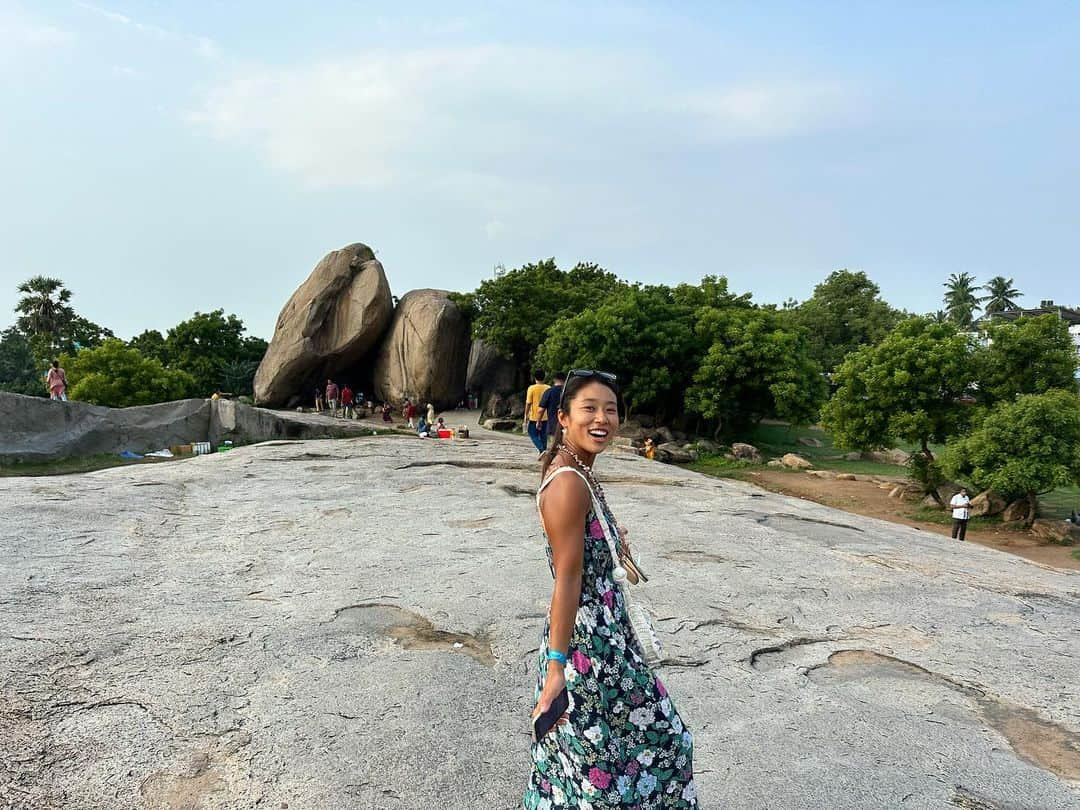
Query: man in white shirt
961	513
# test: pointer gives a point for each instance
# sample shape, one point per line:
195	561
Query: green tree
961	300
116	375
18	369
641	335
907	387
845	312
43	308
150	343
514	312
1022	448
466	303
1001	295
52	326
754	365
1026	356
203	345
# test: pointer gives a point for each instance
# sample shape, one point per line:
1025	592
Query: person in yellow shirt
534	425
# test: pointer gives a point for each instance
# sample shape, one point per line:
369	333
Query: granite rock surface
354	623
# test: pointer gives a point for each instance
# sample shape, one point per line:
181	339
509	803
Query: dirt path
866	497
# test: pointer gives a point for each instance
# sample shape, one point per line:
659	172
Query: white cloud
775	109
483	116
124	19
204	46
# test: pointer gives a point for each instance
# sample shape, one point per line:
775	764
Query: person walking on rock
549	404
534	424
56	382
347	402
961	513
620	743
409	412
331	397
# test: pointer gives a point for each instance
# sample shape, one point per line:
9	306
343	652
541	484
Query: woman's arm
563	505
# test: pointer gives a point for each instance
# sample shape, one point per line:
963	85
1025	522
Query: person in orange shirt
535	425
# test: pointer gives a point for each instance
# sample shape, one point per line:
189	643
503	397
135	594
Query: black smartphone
545	721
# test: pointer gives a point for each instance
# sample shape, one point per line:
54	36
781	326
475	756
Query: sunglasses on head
589	372
585	373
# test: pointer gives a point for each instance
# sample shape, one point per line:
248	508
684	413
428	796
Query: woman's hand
554	683
625	543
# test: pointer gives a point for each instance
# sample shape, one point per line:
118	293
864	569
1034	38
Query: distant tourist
409	412
319	403
961	513
387	412
423	428
56	382
430	414
347	402
549	404
650	448
331	397
534	424
1074	518
440	425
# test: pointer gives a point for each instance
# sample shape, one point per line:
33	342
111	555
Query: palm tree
1002	295
43	308
960	299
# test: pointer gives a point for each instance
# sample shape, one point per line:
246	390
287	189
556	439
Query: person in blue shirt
549	403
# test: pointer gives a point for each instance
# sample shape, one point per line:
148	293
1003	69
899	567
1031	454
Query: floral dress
625	744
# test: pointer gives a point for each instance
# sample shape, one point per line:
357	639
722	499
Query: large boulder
36	429
488	372
794	461
674	454
987	503
511	406
425	352
330	323
1016	511
894	456
1059	532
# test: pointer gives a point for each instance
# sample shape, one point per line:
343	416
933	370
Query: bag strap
598	511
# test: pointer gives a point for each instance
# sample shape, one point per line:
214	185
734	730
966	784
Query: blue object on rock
129	454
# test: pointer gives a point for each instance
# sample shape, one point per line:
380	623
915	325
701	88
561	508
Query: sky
164	158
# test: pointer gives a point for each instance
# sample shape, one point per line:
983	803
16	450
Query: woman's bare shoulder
565	491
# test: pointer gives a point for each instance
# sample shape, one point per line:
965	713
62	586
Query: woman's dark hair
569	392
56	364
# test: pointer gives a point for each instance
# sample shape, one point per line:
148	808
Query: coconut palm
43	309
961	300
1002	295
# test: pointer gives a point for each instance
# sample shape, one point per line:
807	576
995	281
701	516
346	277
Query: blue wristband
555	655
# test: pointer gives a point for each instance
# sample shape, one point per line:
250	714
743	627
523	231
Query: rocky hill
354	622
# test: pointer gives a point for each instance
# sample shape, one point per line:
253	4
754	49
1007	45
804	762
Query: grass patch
943	517
1075	553
1059	503
776	440
721	467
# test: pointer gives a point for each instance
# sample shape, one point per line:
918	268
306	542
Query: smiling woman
606	733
